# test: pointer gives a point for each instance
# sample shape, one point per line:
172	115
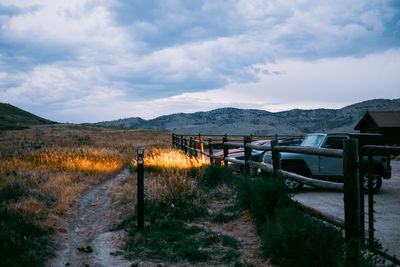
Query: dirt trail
87	240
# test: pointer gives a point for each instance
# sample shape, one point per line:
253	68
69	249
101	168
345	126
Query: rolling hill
260	122
13	118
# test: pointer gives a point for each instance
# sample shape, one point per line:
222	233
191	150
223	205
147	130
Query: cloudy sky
94	60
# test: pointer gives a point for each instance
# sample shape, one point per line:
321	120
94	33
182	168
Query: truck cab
331	168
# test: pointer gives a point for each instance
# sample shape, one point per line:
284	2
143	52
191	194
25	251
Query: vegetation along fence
354	220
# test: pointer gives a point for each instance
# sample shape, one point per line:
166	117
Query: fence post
370	200
226	150
247	153
351	201
191	147
201	148
210	151
181	143
194	148
185	142
276	156
362	206
140	189
173	140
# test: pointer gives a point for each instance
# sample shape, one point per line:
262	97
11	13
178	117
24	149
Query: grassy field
42	172
44	169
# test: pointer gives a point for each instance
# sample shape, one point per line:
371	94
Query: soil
86	238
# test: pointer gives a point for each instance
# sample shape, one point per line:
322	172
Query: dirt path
241	229
87	240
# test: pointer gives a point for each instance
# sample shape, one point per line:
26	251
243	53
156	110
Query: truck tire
293	186
376	182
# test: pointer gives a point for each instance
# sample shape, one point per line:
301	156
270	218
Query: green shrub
170	240
22	243
293	238
12	191
216	175
261	196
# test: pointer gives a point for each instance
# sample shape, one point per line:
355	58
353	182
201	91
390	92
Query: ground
86	237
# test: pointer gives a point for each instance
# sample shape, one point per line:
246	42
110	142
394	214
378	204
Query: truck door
331	166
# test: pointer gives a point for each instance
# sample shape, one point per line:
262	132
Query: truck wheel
376	182
293	186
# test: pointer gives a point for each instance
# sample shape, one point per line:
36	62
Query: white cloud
82	54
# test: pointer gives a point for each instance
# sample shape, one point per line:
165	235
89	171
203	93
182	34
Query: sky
95	60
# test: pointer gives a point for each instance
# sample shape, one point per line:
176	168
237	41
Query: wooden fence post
181	145
191	147
185	145
140	189
194	148
247	153
173	140
351	201
370	200
226	150
276	156
210	151
362	206
201	147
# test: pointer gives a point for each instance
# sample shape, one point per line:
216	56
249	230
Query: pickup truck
331	168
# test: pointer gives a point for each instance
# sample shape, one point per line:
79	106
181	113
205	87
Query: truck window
312	140
334	143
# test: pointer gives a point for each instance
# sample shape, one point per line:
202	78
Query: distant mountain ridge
260	122
13	118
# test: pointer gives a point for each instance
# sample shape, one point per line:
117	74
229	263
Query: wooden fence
354	221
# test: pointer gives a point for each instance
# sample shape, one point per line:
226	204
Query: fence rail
354	222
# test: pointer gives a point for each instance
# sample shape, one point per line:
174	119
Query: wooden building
382	122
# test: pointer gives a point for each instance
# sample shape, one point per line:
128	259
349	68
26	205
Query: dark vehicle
331	168
257	155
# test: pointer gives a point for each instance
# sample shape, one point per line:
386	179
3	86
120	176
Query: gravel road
387	208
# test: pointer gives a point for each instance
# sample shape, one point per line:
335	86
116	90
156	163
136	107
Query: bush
177	196
13	190
22	243
261	196
216	175
169	239
293	238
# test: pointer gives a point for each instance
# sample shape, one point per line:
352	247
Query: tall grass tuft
178	196
293	238
216	175
261	196
23	241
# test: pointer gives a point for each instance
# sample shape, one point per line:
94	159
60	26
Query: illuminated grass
170	158
43	171
84	159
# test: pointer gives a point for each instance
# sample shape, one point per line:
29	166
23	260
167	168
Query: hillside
13	118
259	122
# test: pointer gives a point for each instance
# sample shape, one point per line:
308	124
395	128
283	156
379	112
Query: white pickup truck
331	168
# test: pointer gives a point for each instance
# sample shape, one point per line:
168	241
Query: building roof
383	119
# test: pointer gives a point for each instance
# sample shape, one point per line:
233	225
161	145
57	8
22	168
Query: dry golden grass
83	159
169	181
44	170
57	162
157	158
